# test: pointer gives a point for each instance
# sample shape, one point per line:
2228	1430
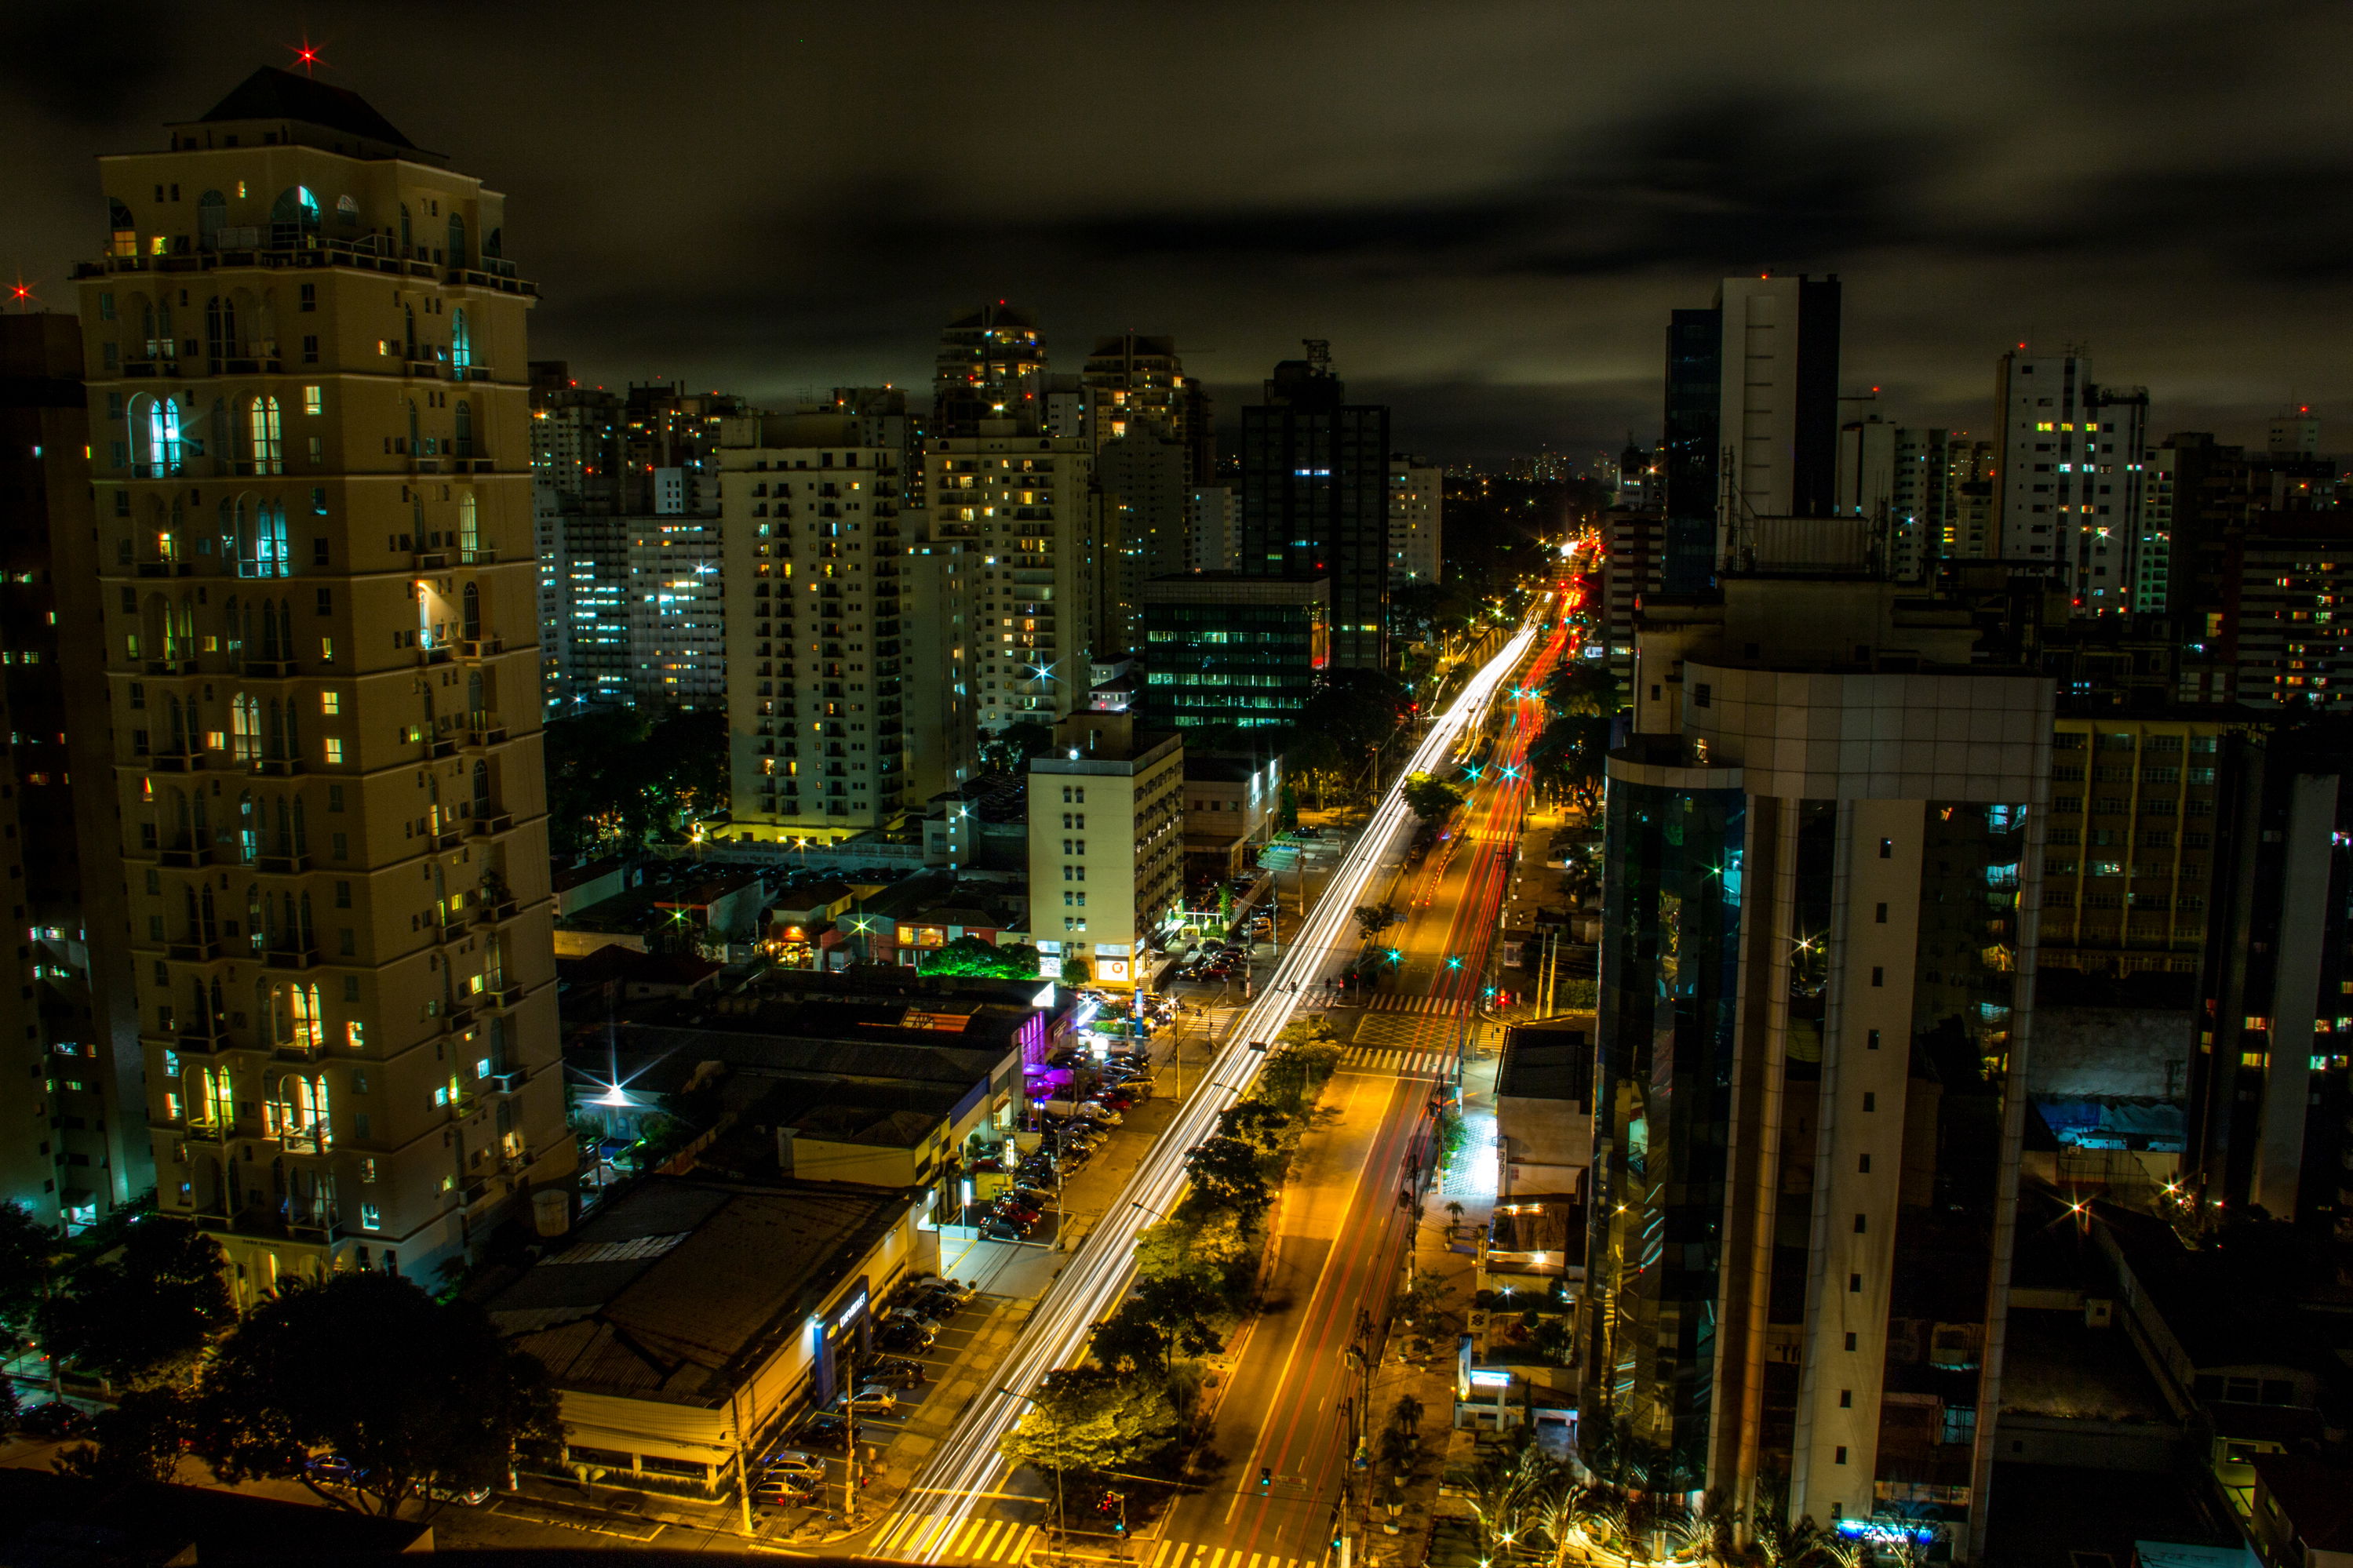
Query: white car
1095	1110
796	1463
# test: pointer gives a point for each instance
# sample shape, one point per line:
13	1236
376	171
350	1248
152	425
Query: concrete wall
2123	1052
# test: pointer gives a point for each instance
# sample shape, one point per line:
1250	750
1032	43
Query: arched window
155	438
494	245
481	787
211	216
245	740
270	557
457	240
347	211
220	327
470	612
464	421
294	215
121	229
461	346
469	526
263	428
156	329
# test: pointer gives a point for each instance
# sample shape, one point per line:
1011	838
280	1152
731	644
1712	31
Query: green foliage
1254	1122
1011	748
1583	686
1374	918
1169	1316
1302	1059
142	1315
1430	799
25	1246
1357	709
1225	1174
368	1366
1091	1418
618	775
1211	1248
143	1438
972	955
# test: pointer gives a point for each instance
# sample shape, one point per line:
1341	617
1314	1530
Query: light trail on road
1092	1282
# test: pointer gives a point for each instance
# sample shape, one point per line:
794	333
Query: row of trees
618	776
1137	1397
418	1398
1528	1507
1566	756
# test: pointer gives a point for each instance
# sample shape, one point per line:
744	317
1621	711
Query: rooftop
270	93
2316	1495
679	1287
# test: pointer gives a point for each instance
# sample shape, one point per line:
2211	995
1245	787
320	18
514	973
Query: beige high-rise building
1025	510
1106	844
1417	510
820	688
306	362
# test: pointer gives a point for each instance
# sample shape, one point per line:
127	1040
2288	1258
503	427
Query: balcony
202	1040
171	666
166	568
457	1017
277	767
268	669
441	746
193	952
446	836
187	760
277	957
500	996
484	730
491	914
186	857
486	824
481	647
450	934
284	864
433	656
212	1132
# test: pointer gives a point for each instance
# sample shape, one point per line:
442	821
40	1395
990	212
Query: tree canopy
415	1394
1225	1174
972	955
1093	1418
1429	798
617	775
143	1314
24	1249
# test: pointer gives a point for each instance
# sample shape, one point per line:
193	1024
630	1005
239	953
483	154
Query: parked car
786	1491
1002	1230
822	1431
327	1470
472	1496
893	1368
1116	1099
910	1315
794	1462
1017	1214
910	1336
867	1399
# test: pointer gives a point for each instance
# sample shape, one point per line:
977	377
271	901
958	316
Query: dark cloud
1487	207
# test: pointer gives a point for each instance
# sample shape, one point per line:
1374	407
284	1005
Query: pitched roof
270	93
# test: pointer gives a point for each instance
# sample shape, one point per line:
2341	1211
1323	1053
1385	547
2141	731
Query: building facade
314	507
1816	982
1107	845
817	664
991	367
73	1146
1417	513
1024	510
1240	651
2070	475
1316	479
678	612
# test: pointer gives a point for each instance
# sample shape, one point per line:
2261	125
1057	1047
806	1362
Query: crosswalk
1405	1064
1385	1001
999	1541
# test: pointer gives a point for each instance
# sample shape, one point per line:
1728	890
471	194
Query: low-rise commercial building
1107	833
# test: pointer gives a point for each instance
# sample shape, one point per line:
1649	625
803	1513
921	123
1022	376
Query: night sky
1487	208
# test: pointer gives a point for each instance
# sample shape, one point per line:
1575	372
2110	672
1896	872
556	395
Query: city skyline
1494	275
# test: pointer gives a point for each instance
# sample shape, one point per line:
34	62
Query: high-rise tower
2070	475
1315	502
991	366
307	373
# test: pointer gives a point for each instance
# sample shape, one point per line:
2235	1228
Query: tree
1225	1174
1583	686
1374	918
1011	748
1358	708
974	956
1254	1122
143	1314
143	1438
617	776
1184	1307
25	1246
1429	798
1090	1418
366	1365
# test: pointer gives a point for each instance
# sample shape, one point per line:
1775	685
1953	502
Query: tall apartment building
313	502
1633	569
991	366
1024	511
678	614
1640	482
1822	870
73	1146
2128	871
1898	477
1213	528
1316	479
1752	417
1107	836
1417	520
818	688
2070	475
581	541
1134	382
1970	500
1147	507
